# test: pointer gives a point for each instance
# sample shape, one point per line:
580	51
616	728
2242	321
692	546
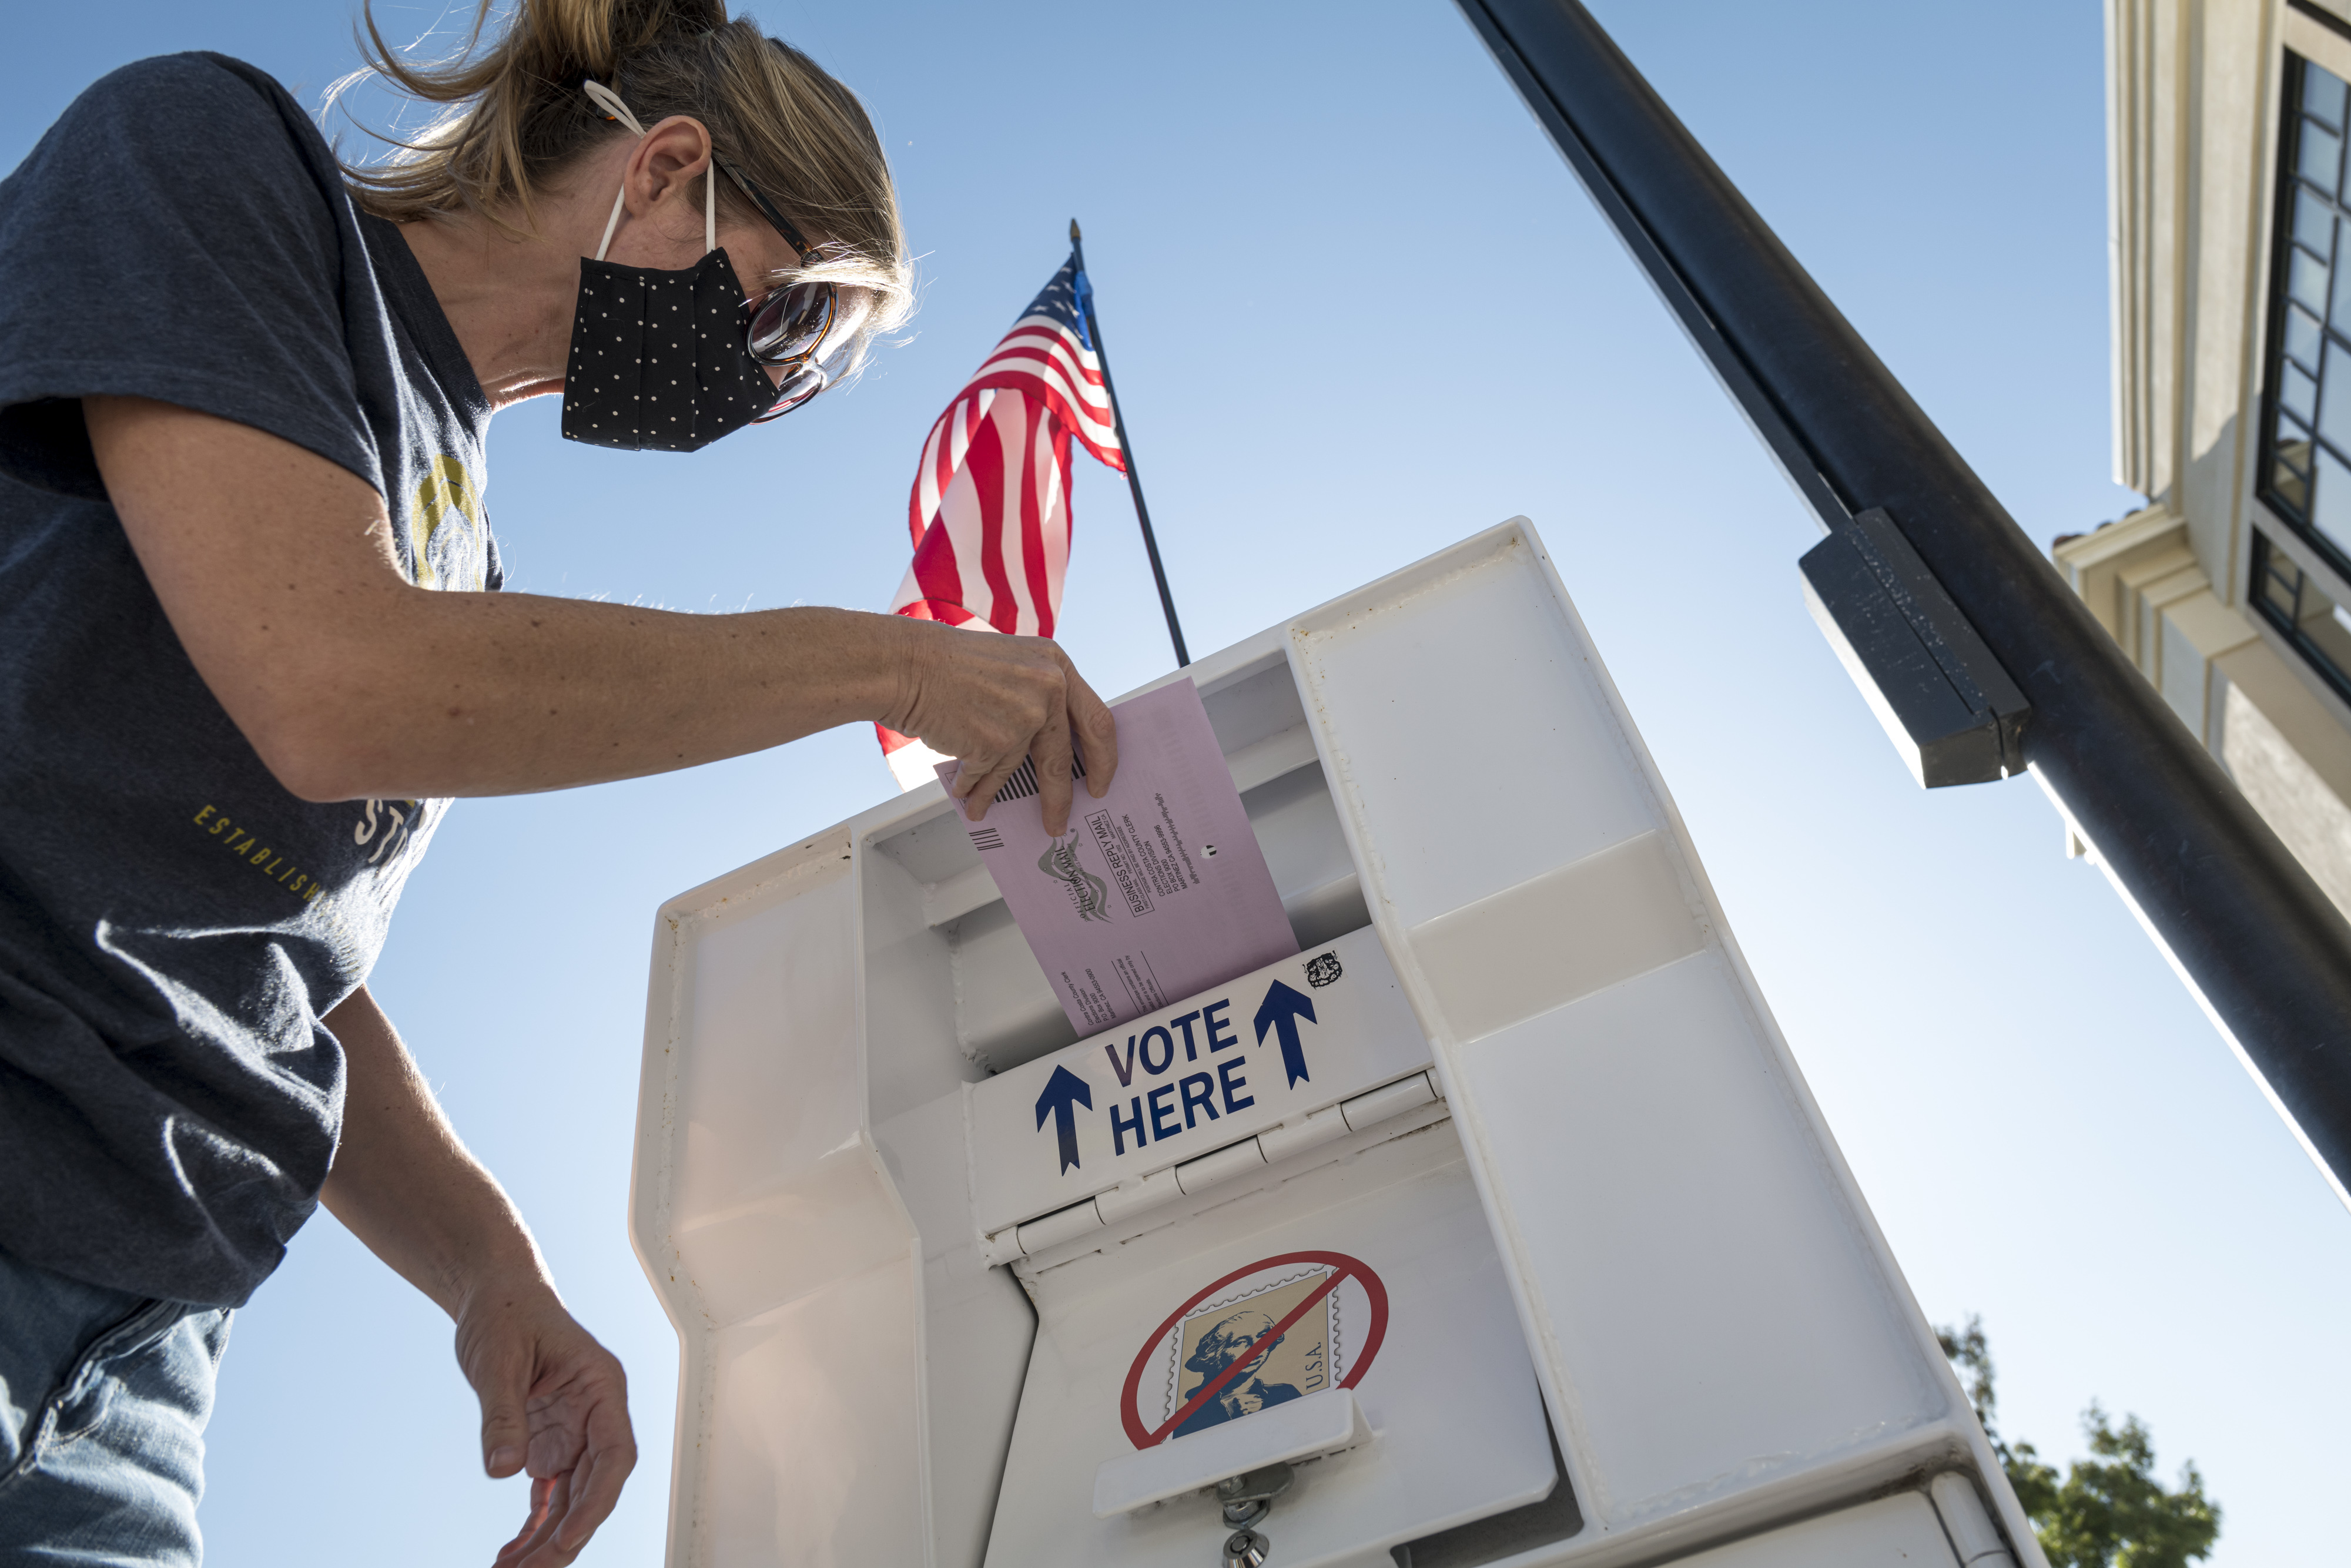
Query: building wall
2192	98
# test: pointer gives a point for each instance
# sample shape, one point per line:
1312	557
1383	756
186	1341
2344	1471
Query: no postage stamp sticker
1271	1332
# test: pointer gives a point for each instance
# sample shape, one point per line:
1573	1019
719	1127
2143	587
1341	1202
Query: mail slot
1496	1224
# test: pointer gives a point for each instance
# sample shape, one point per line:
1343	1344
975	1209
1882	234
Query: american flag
989	514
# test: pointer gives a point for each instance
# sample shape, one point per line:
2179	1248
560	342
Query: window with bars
2305	476
2318	627
2306	467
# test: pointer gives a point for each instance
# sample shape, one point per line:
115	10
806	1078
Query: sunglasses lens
788	323
801	383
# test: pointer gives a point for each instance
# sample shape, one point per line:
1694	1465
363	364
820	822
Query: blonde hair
516	116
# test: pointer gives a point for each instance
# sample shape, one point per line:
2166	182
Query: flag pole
1126	449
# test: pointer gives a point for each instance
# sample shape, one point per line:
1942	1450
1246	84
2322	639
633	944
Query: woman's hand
555	1403
990	701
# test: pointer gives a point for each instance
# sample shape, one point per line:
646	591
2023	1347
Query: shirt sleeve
180	235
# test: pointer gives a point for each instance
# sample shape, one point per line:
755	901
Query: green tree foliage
2109	1512
2036	1484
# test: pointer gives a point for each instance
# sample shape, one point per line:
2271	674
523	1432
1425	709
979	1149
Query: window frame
2300	521
2291	534
2286	628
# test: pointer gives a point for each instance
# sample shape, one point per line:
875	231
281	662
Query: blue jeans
103	1400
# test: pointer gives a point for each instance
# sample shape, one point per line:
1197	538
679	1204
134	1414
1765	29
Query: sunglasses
783	328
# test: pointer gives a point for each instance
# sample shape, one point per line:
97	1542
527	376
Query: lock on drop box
1157	890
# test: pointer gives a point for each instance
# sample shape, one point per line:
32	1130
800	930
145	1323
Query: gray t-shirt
173	923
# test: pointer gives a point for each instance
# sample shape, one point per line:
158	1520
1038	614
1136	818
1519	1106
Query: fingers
535	1523
596	1486
1049	749
1097	732
566	1508
504	1386
977	782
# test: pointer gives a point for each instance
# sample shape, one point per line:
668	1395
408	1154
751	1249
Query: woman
253	638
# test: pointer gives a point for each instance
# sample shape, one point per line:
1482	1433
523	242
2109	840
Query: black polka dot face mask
657	358
658	361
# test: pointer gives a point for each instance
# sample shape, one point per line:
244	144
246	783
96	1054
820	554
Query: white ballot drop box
1495	1227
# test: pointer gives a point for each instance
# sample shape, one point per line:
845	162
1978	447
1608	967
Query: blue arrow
1063	1090
1281	1009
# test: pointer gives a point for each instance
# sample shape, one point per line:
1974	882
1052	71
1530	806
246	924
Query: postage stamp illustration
1234	1326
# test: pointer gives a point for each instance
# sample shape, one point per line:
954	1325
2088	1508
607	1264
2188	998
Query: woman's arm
277	571
553	1400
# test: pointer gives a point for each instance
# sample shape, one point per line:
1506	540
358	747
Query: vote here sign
1270	1047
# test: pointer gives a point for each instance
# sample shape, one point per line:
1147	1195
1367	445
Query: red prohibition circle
1344	1269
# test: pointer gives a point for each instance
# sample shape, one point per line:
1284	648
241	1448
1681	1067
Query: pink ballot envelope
1158	889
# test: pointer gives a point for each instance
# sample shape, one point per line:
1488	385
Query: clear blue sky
1359	309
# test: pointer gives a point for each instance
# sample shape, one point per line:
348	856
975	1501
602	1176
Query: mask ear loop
605	99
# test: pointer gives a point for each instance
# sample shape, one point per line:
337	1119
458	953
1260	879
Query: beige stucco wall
2309	816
